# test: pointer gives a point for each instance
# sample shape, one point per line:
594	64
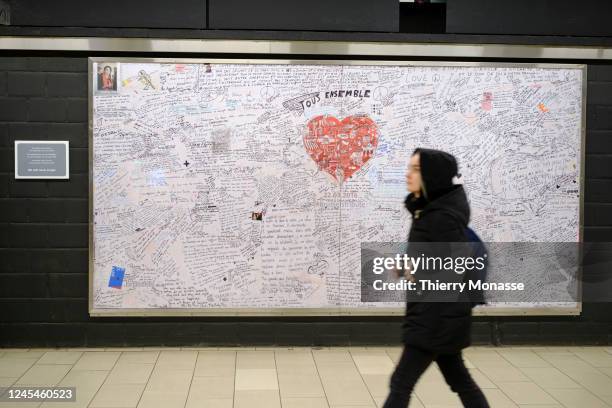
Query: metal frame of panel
383	49
329	311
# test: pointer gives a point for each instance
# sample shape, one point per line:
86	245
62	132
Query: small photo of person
107	76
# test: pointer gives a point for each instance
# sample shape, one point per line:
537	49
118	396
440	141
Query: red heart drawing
341	147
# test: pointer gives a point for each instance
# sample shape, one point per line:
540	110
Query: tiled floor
336	377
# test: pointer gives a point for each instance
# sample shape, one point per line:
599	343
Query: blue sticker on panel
116	277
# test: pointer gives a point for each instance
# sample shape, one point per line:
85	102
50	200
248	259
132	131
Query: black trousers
414	361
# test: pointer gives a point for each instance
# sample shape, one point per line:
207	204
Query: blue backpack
479	250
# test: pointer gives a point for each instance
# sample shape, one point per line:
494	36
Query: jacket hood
454	201
437	171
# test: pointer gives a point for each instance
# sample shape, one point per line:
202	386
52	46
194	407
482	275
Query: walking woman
435	331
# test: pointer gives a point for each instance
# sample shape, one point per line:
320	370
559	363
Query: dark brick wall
185	14
311	15
44	238
535	17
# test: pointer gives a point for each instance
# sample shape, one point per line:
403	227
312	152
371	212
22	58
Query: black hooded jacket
440	214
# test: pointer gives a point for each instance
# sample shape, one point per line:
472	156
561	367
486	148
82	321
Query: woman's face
107	71
413	174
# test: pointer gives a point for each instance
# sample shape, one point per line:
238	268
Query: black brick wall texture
44	239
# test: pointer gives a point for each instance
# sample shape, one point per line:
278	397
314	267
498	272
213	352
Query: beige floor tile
255	360
215	364
171	381
335	369
606	370
468	363
257	399
596	358
301	348
162	399
298	385
415	402
580	348
304	402
549	377
60	357
517	347
20	404
598	383
44	375
332	356
432	373
15	367
370	405
577	398
525	376
345	389
444	406
85	378
479	357
129	373
256	379
540	406
436	393
535	349
7	381
95	360
502	373
373	362
606	398
526	393
23	353
573	365
380	401
481	379
87	384
498	399
563	359
211	388
117	396
210	403
139	357
301	362
177	360
587	376
378	384
394	353
527	358
122	349
558	349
